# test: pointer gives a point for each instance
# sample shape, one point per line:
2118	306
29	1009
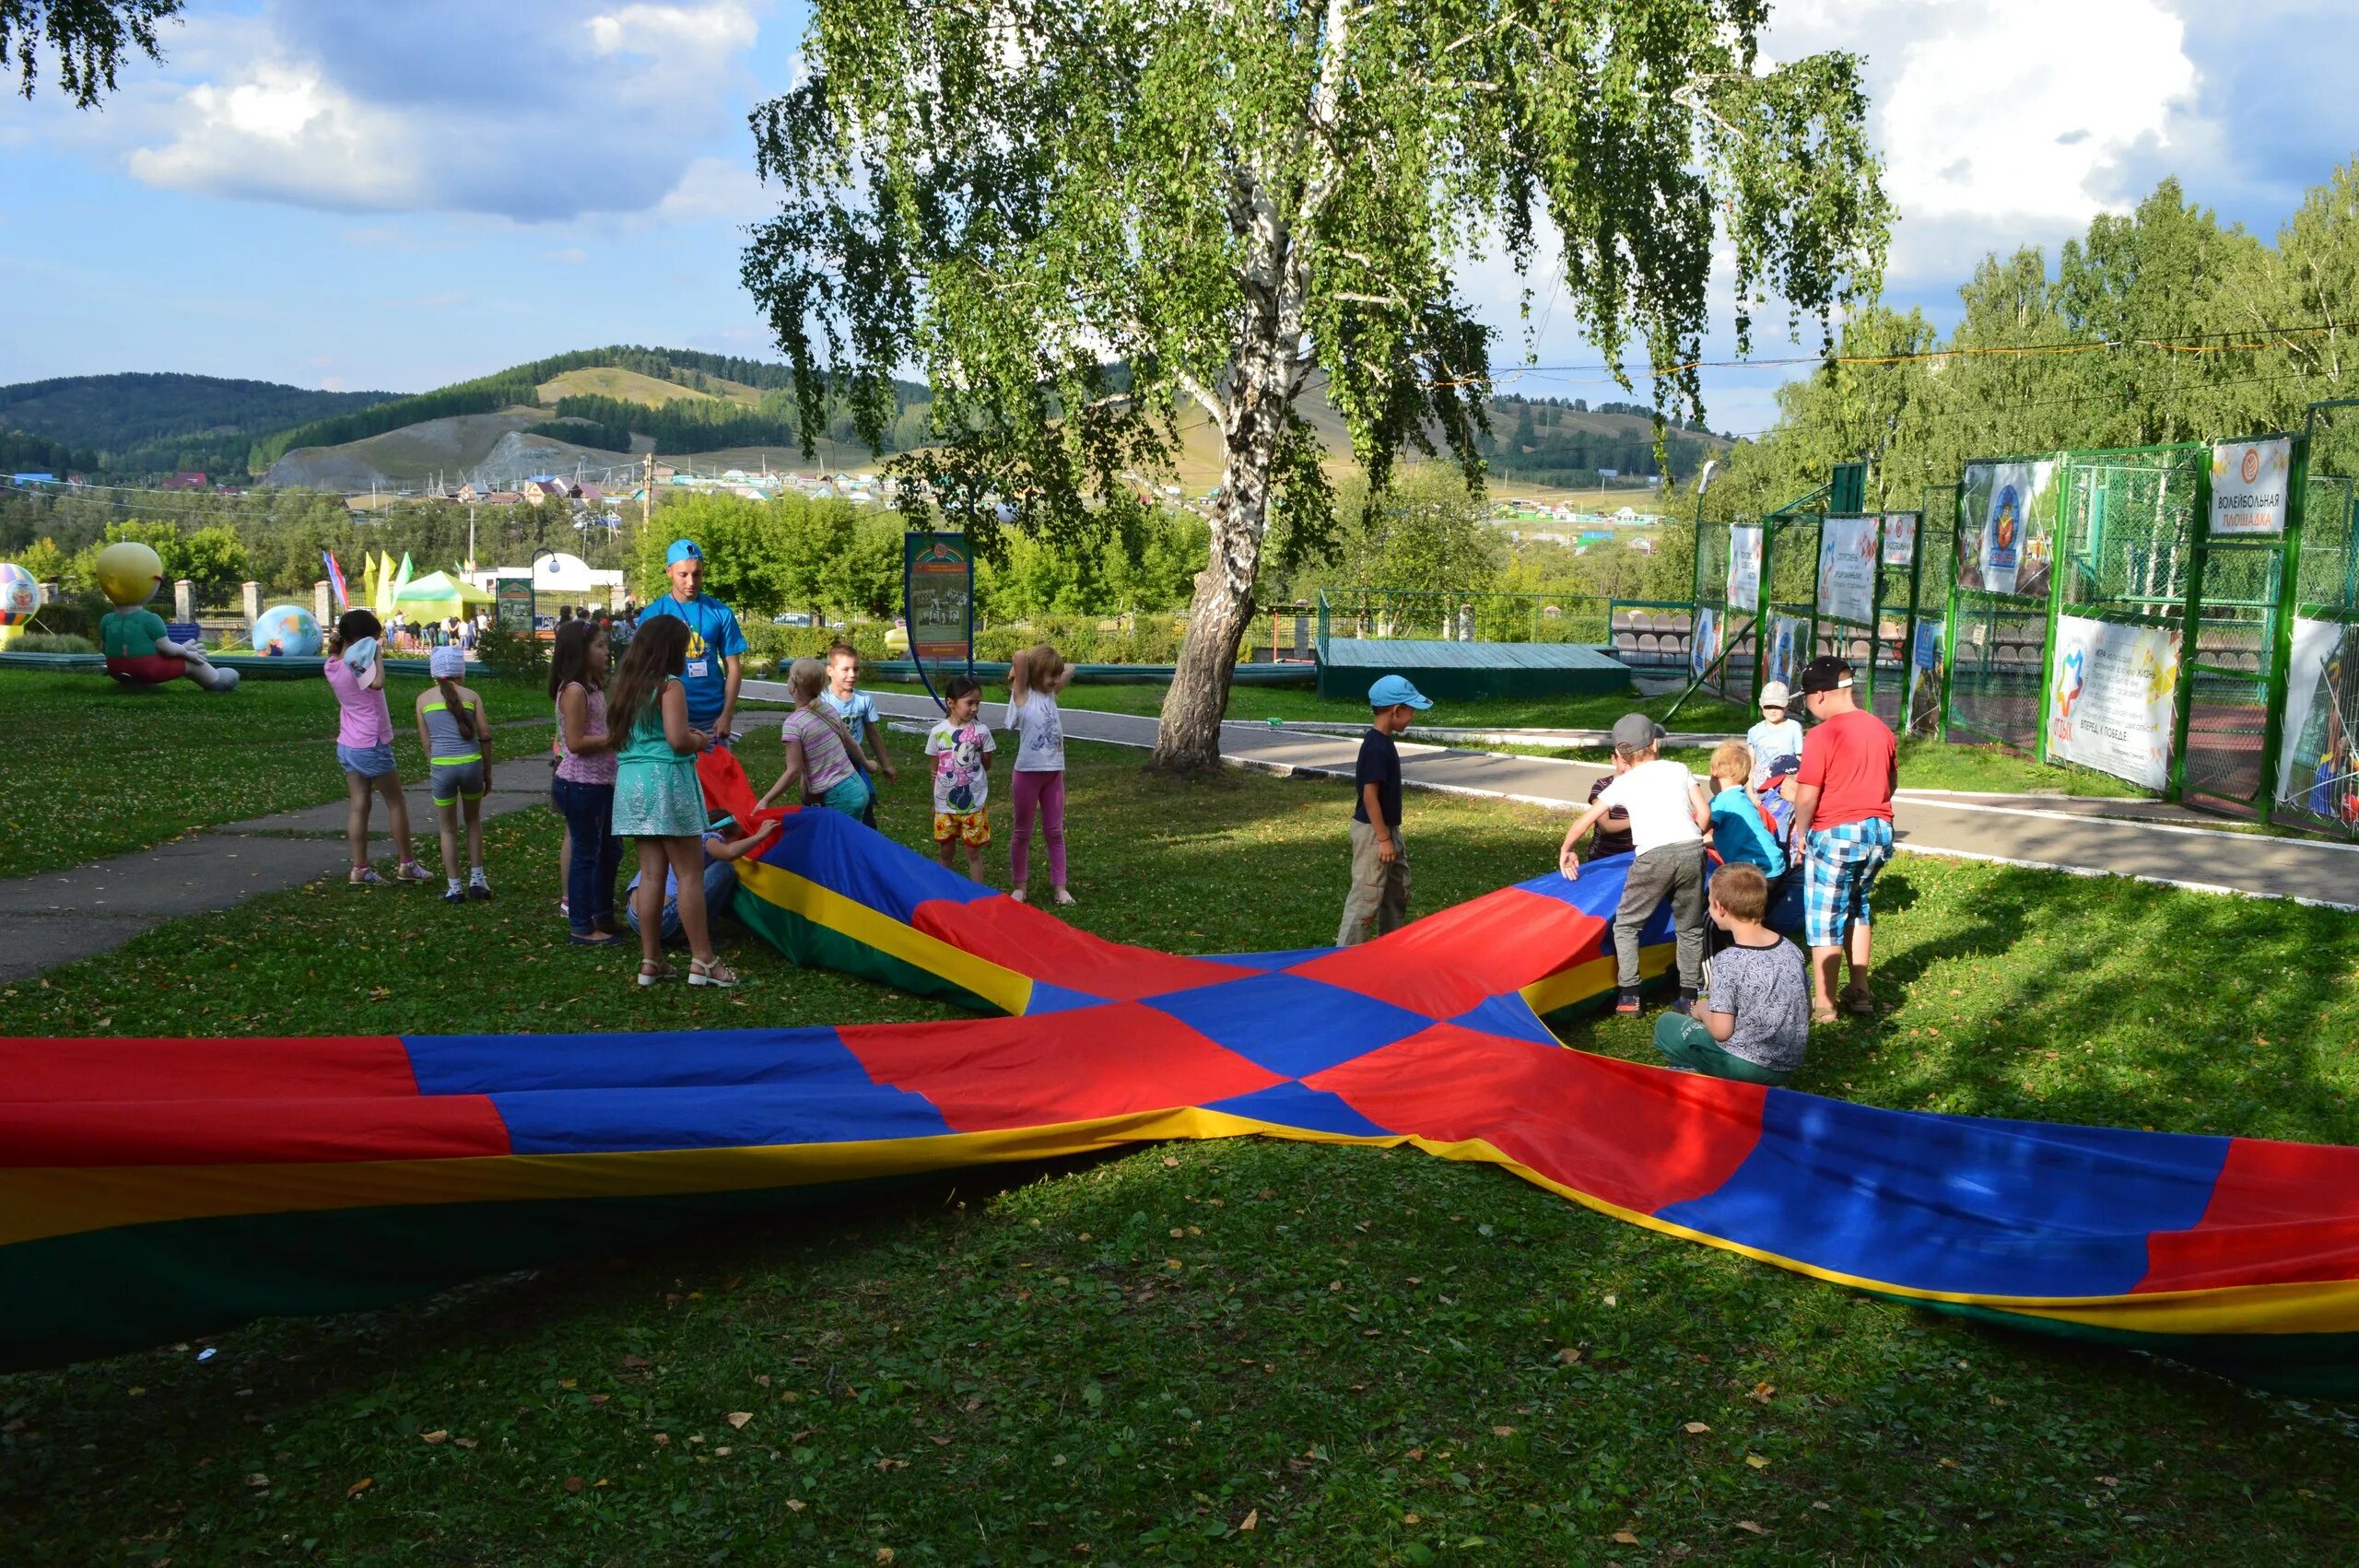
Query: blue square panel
1293	1105
1261	963
1290	1025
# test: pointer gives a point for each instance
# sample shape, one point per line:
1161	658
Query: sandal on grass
715	973
365	876
651	972
1858	1003
1824	1015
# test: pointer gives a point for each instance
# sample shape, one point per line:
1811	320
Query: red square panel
1077	1066
342	1067
1035	943
1640	1138
2279	1212
1445	964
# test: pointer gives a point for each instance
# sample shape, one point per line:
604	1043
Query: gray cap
1635	731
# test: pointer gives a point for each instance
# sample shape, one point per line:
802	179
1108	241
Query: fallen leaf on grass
738	1419
1761	1392
1503	1432
1625	1537
437	1435
635	1363
1756	1461
465	1443
1252	1520
884	1553
363	1485
1568	1355
1694	1428
1749	1525
573	1483
795	1505
257	1479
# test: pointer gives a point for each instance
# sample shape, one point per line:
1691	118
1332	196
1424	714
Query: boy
1757	1024
455	735
1613	836
1776	735
1379	859
1668	815
1742	829
962	746
857	710
721	855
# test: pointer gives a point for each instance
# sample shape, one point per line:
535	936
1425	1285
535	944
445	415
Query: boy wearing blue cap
1380	859
715	642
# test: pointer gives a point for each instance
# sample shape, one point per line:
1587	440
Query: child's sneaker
478	888
1016	893
1627	1002
456	895
1687	1000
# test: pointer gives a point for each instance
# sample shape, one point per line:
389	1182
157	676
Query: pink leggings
1046	792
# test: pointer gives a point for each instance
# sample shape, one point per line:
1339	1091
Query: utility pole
647	492
471	538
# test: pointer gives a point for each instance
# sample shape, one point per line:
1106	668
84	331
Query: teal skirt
850	797
658	799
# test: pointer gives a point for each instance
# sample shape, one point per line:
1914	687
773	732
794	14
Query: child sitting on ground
1756	1026
722	854
1668	815
455	736
962	746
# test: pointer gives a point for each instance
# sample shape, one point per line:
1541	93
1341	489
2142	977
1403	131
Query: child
583	788
1613	834
1756	1026
1668	815
858	711
1776	796
1741	830
455	735
1034	680
1379	859
364	745
818	748
722	854
1776	735
658	799
961	749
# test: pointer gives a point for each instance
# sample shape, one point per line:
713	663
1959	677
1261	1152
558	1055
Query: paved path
2150	841
56	916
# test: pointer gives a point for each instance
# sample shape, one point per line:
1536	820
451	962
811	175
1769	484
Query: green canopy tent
438	596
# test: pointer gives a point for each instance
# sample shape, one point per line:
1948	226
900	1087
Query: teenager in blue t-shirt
716	645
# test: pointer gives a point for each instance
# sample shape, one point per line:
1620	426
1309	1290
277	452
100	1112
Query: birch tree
1089	220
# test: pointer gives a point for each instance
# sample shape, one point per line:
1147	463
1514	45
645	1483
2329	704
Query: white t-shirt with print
1657	795
1040	734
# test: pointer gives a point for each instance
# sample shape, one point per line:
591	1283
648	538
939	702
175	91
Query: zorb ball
293	627
19	594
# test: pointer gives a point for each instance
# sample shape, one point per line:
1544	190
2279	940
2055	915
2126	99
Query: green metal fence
2004	532
2318	772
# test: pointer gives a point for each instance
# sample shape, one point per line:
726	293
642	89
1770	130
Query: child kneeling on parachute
1755	1023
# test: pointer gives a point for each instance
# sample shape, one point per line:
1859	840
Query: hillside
141	423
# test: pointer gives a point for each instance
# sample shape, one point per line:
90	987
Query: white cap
446	661
1774	695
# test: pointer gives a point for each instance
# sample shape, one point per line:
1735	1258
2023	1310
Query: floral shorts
971	828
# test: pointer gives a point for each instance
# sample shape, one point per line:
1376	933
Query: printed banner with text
2112	700
1847	568
2248	484
1744	569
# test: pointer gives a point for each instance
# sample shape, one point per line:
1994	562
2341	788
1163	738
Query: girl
364	745
1032	681
818	748
961	749
583	789
658	799
454	733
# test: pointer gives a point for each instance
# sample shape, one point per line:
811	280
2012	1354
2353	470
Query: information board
2248	484
2111	699
938	590
512	604
1847	568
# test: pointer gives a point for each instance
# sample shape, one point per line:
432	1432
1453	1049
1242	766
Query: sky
395	197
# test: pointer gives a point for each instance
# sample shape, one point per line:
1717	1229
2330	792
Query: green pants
1689	1044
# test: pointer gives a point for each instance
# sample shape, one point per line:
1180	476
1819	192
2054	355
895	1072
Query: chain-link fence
2318	772
2001	565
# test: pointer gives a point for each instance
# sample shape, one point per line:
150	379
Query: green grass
1371	1356
93	769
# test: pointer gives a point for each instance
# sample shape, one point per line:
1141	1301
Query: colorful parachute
150	1189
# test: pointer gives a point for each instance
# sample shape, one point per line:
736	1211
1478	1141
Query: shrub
51	642
514	655
769	649
1087	639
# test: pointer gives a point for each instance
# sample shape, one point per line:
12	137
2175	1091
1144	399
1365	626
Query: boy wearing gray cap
1668	816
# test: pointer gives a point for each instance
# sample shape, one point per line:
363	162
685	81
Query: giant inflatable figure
19	600
150	1189
140	649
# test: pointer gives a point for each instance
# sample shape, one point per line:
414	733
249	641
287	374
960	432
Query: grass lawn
94	769
1226	1352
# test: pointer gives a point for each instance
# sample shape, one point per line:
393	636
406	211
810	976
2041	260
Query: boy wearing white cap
1776	735
1379	859
455	735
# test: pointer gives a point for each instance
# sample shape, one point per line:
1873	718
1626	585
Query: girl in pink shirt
364	745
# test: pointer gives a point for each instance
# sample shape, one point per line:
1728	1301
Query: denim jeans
589	811
720	887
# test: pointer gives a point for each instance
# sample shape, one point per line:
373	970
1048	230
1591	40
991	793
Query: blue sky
397	196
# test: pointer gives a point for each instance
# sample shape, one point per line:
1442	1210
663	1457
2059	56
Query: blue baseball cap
682	550
1393	690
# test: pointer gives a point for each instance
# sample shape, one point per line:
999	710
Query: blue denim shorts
370	762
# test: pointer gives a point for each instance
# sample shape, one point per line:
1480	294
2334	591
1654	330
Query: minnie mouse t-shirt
961	784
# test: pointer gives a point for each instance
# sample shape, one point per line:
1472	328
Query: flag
384	599
401	580
367	580
335	581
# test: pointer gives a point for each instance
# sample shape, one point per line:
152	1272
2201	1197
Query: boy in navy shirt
1380	859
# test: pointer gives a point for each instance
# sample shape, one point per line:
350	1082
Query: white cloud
531	110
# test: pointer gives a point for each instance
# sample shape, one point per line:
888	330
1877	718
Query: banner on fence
1788	636
2110	699
1744	568
2317	771
1900	539
1924	669
1704	646
1847	568
2006	549
2248	484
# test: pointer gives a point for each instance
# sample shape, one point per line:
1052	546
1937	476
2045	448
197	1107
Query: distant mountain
143	423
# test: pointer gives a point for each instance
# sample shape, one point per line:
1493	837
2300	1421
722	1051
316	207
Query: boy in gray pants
1668	816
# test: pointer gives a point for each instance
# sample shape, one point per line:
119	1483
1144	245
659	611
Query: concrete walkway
56	916
2147	840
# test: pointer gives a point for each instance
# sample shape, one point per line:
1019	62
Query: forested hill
148	423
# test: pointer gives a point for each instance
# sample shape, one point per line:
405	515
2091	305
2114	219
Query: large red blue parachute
152	1188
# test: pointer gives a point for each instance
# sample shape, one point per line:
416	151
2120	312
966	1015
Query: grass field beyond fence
1234	1351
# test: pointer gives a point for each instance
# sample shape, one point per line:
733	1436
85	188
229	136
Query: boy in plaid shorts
1843	822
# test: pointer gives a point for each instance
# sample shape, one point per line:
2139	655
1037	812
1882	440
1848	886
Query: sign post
512	600
938	598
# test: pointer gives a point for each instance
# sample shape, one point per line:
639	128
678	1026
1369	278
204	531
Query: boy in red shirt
1843	820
